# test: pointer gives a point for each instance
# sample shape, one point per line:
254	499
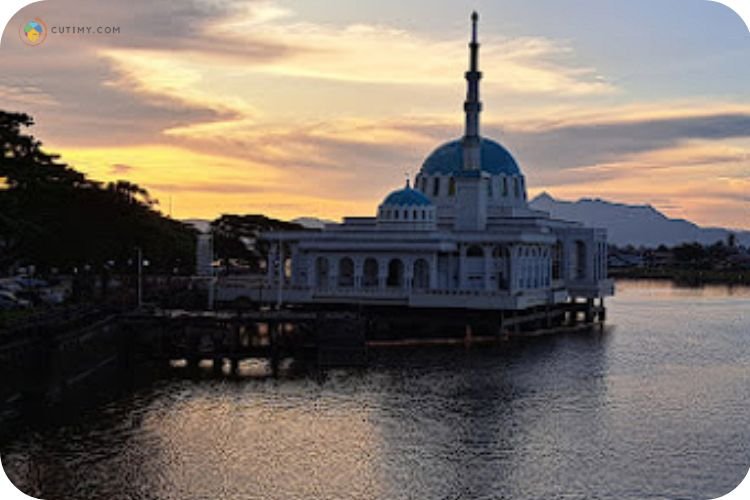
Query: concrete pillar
271	262
589	310
487	249
434	271
358	271
462	267
590	250
282	267
512	269
408	272
311	258
382	273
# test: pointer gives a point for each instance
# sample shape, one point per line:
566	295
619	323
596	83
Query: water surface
654	407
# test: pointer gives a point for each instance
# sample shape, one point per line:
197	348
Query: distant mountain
638	225
312	222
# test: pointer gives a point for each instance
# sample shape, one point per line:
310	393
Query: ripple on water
655	407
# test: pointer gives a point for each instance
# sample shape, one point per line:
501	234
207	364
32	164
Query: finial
407	182
474	19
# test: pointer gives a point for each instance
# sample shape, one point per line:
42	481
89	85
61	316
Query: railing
270	289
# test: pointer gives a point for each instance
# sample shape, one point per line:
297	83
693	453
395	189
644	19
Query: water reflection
656	407
485	423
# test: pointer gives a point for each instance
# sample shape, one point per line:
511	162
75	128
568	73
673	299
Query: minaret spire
472	105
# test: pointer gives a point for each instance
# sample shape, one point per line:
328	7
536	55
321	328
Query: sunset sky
319	107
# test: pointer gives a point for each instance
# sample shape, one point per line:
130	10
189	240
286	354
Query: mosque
461	237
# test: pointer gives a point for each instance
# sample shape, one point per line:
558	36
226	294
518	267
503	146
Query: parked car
34	283
54	295
9	301
10	285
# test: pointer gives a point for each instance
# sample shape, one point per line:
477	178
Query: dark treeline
690	263
236	243
53	217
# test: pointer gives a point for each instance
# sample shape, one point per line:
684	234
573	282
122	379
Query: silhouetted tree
53	216
236	238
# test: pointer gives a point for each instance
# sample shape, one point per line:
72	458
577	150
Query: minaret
472	106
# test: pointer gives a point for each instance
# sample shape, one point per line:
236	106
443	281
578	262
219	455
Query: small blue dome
448	159
407	197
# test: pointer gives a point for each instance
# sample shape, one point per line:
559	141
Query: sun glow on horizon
261	107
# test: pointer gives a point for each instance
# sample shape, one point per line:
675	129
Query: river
655	406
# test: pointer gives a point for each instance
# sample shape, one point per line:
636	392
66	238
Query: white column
358	269
311	258
271	262
434	271
512	269
462	266
333	274
487	249
382	273
408	272
590	251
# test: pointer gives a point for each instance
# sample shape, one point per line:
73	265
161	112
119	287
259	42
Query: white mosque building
462	236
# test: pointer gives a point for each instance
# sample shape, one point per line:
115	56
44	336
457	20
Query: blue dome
406	197
448	159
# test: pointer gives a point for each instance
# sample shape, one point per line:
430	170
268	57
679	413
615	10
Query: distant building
204	258
622	260
463	236
661	257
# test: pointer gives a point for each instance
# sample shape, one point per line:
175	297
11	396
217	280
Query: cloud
21	93
76	88
573	145
234	106
208	187
386	55
121	169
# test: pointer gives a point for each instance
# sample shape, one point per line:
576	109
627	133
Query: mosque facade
461	236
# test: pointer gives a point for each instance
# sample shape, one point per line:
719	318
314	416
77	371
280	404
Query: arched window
452	187
421	274
395	277
321	272
505	186
346	272
489	188
499	252
370	273
516	188
436	186
475	251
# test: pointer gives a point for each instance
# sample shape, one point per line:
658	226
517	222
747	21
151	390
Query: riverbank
693	277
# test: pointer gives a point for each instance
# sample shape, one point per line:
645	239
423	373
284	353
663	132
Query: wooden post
467	334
